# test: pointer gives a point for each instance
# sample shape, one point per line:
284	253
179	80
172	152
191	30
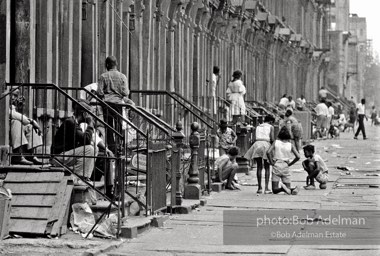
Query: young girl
235	93
258	151
227	137
283	151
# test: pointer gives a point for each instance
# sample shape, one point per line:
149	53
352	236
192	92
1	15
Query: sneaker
355	138
259	191
268	192
309	187
365	138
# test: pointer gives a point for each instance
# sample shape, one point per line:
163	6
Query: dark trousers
113	121
361	126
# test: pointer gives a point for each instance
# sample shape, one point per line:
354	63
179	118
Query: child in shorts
315	167
285	155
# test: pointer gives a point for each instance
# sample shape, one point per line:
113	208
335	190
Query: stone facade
169	44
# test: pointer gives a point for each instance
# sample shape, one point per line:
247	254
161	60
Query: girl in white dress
235	94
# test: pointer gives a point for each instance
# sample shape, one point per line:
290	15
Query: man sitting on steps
72	146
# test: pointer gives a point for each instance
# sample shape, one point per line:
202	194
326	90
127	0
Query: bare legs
260	161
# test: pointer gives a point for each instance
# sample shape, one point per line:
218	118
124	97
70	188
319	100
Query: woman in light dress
235	94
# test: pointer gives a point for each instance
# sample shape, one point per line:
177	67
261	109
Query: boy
227	167
315	167
227	137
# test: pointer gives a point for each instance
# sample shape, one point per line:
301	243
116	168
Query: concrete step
133	226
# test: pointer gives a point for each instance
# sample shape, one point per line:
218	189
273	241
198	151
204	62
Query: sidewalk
201	232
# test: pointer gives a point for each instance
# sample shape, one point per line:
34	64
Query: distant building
357	56
339	34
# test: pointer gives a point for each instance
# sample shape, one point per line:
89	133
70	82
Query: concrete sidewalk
201	232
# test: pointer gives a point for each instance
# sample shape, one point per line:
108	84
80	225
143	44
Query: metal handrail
108	108
194	106
156	118
149	92
251	111
145	116
69	97
5	94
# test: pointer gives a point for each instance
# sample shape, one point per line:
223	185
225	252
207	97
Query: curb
103	248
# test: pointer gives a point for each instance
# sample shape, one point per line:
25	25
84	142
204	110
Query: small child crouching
227	167
315	167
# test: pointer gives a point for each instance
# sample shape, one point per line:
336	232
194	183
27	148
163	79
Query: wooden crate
41	199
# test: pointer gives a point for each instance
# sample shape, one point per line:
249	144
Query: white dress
235	93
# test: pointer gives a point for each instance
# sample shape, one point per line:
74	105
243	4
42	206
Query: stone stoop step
133	226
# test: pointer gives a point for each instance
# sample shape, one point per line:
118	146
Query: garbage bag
82	219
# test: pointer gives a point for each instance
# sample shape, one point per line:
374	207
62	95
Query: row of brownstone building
281	46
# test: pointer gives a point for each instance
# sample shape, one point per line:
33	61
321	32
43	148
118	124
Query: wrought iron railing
172	108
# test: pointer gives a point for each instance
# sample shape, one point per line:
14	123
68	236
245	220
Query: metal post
176	195
193	189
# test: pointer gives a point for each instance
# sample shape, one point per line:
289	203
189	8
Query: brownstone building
168	44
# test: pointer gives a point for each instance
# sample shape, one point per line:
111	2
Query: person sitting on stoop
74	147
315	167
25	133
227	167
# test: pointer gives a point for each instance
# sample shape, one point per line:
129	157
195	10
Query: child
334	128
315	168
227	167
227	137
283	151
258	151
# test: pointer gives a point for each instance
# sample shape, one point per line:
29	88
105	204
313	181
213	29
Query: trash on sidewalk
372	174
82	220
368	163
346	169
336	146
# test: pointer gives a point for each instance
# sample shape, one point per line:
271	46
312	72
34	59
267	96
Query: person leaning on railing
74	147
25	133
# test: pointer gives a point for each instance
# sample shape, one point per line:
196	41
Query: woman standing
235	94
258	151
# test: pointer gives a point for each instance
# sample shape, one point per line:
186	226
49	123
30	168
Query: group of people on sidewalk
268	151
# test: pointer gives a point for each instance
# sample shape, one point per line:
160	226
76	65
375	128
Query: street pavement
201	232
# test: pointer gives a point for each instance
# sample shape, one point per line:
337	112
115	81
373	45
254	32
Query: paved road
201	232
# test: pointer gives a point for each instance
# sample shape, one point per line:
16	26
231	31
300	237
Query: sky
370	10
